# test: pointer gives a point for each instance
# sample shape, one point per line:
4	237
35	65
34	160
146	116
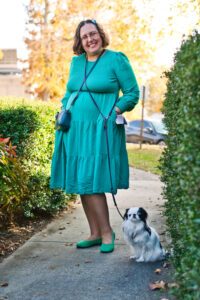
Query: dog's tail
168	253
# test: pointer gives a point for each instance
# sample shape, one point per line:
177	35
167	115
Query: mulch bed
16	234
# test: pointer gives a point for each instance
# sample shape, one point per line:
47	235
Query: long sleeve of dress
127	82
65	99
68	93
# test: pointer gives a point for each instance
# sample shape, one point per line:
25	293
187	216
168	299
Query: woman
80	160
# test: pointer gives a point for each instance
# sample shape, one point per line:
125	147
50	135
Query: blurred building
11	75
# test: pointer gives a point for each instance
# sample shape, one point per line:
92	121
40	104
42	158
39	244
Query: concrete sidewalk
46	268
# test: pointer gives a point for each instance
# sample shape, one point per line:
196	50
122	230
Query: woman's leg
96	210
95	232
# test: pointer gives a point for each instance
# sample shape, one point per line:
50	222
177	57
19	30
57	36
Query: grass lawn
146	159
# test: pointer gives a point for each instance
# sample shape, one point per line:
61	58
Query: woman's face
90	39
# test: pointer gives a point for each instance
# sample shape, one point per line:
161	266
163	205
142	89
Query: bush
30	124
181	166
18	122
13	180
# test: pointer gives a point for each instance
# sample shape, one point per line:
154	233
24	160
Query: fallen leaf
161	233
173	284
77	265
35	256
45	235
4	284
101	288
166	265
61	228
88	261
164	299
157	285
52	267
71	205
158	271
68	222
68	244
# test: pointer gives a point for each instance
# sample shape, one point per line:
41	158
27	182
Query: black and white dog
143	238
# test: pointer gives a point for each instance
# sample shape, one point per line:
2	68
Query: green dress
80	160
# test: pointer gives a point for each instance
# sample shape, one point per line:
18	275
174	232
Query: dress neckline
93	61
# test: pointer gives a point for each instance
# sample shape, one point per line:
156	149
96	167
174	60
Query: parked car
154	132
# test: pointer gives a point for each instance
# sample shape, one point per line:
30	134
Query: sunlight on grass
146	159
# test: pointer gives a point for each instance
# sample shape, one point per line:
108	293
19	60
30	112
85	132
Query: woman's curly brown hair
77	47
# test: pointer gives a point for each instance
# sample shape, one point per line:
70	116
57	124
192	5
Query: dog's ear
126	214
142	214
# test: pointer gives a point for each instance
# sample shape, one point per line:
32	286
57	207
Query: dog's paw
140	259
133	257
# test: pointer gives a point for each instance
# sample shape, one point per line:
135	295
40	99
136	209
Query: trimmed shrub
181	166
13	180
30	124
18	122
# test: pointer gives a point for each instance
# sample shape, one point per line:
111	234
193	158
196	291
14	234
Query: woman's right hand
118	111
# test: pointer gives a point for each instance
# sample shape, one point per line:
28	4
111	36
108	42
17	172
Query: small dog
144	239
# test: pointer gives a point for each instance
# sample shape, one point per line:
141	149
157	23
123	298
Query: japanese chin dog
143	238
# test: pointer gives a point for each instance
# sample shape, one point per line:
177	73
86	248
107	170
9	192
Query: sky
12	27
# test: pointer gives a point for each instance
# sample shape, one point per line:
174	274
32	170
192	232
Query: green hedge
30	124
13	182
181	166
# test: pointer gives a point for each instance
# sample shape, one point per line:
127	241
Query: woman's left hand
118	111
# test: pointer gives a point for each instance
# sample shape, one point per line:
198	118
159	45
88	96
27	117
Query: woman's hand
118	111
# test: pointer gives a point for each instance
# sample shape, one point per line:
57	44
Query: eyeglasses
90	35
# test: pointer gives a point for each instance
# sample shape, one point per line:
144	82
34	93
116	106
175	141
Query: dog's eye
134	215
129	215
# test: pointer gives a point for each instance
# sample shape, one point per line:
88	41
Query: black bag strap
85	77
105	118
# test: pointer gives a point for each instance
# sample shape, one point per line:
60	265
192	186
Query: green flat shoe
105	248
87	244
